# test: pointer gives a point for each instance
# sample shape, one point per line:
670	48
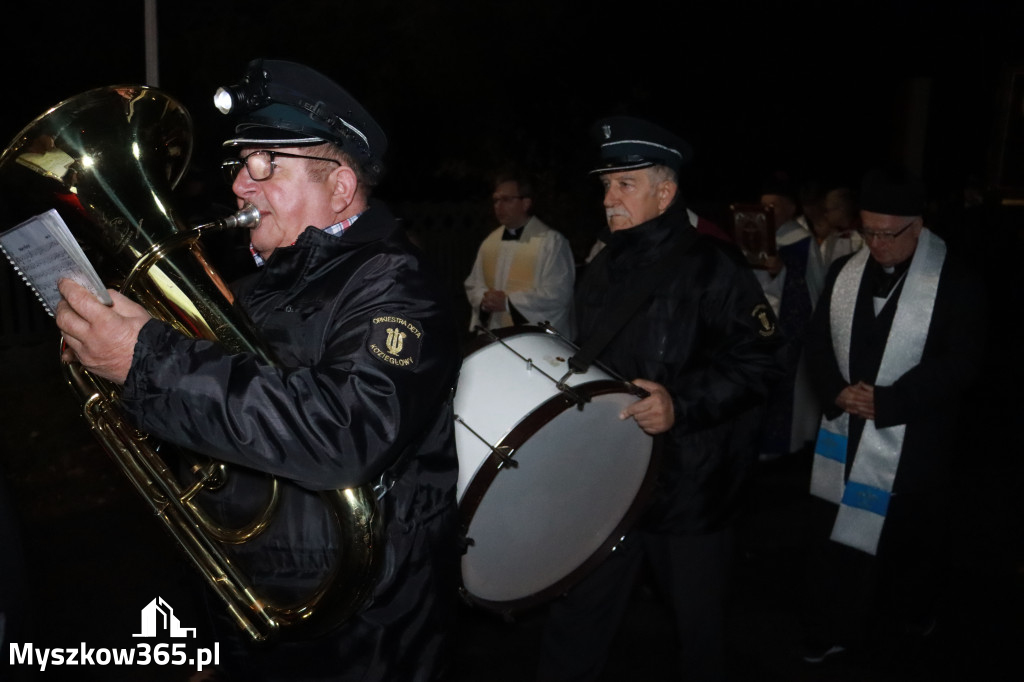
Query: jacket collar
652	232
315	248
374	224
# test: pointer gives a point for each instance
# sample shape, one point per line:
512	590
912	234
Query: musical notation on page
43	251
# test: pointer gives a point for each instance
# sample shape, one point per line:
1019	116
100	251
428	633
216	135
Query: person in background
843	220
524	271
792	282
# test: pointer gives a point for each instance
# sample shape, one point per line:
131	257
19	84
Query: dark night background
821	89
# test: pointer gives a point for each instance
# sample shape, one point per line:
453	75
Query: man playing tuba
368	356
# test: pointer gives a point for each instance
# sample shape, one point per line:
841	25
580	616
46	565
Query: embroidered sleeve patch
763	313
395	340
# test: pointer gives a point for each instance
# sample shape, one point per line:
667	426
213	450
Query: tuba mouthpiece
248	217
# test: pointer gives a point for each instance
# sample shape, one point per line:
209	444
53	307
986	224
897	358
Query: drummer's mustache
610	213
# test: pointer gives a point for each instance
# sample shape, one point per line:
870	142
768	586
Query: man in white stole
863	498
897	338
524	271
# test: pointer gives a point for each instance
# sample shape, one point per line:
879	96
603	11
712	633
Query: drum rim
516	438
492	336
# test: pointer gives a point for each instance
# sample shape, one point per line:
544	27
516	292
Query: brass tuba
107	160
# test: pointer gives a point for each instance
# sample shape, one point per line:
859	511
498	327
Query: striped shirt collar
335	229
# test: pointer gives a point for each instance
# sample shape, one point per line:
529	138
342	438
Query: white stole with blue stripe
864	499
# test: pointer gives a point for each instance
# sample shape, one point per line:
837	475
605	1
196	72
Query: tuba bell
107	160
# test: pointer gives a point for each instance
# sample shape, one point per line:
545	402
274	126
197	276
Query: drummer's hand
654	414
101	338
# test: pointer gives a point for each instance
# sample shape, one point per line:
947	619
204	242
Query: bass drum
549	476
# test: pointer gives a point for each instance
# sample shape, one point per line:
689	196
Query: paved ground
95	557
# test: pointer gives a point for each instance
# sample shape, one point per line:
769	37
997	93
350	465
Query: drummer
704	345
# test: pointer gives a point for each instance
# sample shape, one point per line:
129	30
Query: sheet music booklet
43	250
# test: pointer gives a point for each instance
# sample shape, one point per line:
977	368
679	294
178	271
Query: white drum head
578	480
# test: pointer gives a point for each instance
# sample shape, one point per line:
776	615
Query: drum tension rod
502	452
579	400
571	394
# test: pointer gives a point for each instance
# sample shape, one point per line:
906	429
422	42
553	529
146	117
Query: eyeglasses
260	164
504	199
886	237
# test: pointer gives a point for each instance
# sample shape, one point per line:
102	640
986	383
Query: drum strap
627	306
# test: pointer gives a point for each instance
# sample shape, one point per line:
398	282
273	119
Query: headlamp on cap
285	104
248	95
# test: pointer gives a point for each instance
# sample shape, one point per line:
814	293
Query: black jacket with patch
367	357
708	335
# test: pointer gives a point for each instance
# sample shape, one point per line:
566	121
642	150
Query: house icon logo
158	618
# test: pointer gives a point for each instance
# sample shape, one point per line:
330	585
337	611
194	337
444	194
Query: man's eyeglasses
260	164
503	199
886	237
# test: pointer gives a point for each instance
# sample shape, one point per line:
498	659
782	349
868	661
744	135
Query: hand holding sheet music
43	251
102	338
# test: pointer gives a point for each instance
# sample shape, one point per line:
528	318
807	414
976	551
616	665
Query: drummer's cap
628	143
284	104
892	191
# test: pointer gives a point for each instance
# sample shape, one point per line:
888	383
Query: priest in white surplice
524	271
